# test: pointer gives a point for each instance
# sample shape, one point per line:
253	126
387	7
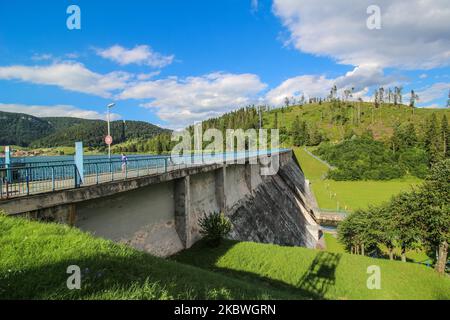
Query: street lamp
109	106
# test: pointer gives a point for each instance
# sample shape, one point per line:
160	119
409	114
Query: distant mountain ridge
30	131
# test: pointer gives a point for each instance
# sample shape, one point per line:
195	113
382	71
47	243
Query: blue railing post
96	172
53	178
137	161
8	164
75	175
28	180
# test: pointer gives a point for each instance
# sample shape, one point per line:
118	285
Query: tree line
411	220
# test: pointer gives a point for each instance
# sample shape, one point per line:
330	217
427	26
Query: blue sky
175	62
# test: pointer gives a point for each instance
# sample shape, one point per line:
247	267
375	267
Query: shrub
214	227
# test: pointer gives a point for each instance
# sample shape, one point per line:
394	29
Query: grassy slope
333	245
317	274
34	258
349	195
381	121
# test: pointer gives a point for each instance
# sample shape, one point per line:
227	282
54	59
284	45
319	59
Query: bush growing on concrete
214	227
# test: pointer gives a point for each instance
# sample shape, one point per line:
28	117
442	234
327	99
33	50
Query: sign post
108	140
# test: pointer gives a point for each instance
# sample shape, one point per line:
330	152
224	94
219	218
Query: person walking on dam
124	163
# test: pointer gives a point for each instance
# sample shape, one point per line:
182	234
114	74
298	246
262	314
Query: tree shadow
313	284
321	275
137	277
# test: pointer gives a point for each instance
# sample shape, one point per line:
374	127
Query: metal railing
48	176
19	181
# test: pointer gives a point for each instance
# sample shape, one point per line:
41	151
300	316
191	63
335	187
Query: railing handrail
48	177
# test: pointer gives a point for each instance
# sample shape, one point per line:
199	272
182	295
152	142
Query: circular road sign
108	140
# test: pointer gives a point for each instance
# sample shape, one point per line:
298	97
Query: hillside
26	130
21	129
336	121
35	256
92	132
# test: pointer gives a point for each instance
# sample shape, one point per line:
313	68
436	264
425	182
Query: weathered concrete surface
143	219
203	202
276	211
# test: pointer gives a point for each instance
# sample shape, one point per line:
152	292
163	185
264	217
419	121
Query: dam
157	211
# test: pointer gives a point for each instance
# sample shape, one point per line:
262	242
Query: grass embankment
34	258
317	274
348	195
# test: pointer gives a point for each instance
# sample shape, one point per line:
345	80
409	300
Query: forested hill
27	130
22	129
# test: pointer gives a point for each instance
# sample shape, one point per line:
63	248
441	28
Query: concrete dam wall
159	214
163	218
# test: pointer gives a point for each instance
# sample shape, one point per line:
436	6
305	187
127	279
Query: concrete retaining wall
143	218
160	214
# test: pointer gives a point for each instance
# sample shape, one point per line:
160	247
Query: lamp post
109	106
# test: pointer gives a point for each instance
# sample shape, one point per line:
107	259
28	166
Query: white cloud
68	75
141	55
361	79
436	91
183	101
42	57
415	34
56	111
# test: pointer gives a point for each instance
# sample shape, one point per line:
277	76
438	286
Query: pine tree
445	137
296	134
276	120
432	140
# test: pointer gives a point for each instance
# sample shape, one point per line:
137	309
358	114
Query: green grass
316	274
332	243
348	195
34	258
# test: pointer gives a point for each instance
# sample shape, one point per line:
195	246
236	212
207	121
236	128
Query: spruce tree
432	140
445	137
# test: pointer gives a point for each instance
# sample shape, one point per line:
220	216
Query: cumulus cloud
56	111
436	91
140	55
361	79
415	34
184	101
68	75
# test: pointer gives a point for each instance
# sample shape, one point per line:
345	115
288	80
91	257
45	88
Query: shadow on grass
314	284
139	276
